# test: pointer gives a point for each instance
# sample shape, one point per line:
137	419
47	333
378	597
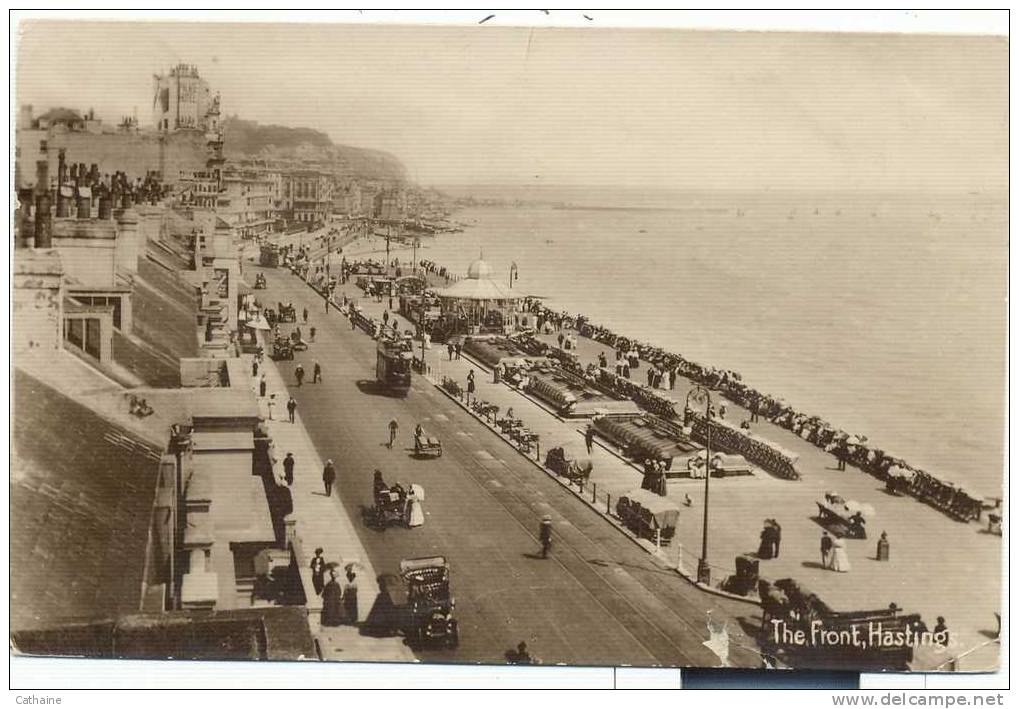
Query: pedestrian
394	426
288	469
449	349
589	438
825	551
311	334
332	602
459	348
262	386
941	636
415	514
318	571
721	410
291	408
602	361
271	405
305	314
353	323
766	548
385	317
520	656
254	368
299	373
470	385
776	538
545	536
350	597
316	373
754	407
560	339
882	547
839	557
329	477
672	378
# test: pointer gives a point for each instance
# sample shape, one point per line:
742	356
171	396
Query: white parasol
862	507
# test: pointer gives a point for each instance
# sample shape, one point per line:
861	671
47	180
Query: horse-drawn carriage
428	618
648	515
391	504
297	343
281	349
801	630
568	463
287	313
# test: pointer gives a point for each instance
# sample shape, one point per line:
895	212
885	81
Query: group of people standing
833	554
339	599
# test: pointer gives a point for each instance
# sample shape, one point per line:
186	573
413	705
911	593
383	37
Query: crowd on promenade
901	476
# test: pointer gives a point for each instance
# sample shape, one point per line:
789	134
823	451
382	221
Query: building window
84	333
92	337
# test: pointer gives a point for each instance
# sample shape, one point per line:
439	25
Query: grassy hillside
251	139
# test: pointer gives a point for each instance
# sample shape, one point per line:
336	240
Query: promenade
598	600
938	566
322	522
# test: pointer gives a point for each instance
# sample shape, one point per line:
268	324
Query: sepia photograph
495	344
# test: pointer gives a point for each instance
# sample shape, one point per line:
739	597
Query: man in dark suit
826	545
288	469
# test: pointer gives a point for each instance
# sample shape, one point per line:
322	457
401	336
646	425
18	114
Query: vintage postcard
493	344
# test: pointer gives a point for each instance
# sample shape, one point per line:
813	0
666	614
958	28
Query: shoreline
948	497
813	420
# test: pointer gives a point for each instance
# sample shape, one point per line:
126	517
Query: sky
636	108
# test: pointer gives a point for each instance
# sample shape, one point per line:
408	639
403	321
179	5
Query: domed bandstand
485	304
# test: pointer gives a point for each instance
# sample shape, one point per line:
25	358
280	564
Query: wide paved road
598	599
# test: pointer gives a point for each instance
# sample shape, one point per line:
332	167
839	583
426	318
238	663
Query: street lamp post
699	393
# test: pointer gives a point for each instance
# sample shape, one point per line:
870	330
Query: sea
883	312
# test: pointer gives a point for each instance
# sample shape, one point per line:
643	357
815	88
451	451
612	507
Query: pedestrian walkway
321	521
739	506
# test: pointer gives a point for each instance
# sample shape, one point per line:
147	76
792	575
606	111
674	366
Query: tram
393	364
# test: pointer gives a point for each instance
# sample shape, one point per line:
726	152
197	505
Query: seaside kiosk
479	303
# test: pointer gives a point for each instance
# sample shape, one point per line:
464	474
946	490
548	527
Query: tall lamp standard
701	395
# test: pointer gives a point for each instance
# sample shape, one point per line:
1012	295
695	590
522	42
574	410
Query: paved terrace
937	566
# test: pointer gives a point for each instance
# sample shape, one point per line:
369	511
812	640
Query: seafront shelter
484	304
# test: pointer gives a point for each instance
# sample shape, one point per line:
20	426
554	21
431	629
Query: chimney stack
43	221
105	204
61	166
85	203
42	176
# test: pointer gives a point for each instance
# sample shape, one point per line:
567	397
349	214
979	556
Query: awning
479	289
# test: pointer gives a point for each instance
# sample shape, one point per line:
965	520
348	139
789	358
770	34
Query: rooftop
276	633
81	500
